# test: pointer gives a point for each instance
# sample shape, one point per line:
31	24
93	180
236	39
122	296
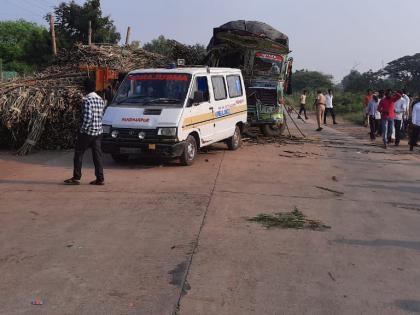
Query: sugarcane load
262	53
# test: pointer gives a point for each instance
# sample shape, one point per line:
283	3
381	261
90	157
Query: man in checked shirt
89	136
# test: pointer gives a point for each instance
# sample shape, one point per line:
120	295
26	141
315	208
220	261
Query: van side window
201	84
234	85
219	87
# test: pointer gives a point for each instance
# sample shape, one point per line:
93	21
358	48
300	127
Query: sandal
72	181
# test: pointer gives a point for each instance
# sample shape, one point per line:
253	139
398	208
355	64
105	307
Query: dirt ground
159	238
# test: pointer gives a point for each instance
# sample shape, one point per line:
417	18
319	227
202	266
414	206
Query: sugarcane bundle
43	111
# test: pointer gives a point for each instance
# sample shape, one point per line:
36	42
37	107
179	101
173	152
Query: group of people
389	114
323	105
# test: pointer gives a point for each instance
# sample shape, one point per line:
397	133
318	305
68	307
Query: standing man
366	100
303	104
386	108
89	136
399	109
372	110
415	120
405	120
320	108
329	108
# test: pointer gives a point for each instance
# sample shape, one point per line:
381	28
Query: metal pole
52	29
127	38
90	34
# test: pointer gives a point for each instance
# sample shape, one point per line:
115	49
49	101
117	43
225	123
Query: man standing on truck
320	108
89	136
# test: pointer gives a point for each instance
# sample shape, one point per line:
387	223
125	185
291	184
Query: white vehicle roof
194	70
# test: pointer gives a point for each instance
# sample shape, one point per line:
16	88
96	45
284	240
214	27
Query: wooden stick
127	37
90	34
295	124
53	42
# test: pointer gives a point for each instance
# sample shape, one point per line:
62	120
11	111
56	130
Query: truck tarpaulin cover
253	28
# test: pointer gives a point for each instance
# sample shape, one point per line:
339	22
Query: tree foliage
24	46
72	24
405	72
357	82
311	80
193	54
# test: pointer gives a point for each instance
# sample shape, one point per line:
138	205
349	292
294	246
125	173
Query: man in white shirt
405	121
415	120
399	109
329	108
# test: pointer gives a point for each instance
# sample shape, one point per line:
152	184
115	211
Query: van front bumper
169	150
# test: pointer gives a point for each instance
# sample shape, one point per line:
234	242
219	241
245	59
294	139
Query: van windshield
153	89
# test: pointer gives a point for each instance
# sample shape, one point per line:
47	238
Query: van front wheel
235	141
190	151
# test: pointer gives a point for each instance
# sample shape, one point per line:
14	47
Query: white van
174	112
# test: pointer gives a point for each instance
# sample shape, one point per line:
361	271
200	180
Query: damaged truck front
261	52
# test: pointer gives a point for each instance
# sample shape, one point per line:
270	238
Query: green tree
24	46
72	24
405	72
159	45
174	50
311	80
357	82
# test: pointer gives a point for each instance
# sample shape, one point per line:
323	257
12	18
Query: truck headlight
171	132
106	129
114	134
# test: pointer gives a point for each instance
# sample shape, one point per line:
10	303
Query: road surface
166	239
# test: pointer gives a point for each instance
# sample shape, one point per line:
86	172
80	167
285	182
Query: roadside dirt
163	239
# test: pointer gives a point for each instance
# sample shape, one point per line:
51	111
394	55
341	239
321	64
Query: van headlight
106	129
168	132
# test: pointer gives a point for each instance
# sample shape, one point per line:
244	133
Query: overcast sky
332	36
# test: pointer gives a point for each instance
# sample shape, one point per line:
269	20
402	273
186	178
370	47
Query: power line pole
52	29
127	37
90	34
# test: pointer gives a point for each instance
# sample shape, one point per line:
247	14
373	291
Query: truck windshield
154	89
268	64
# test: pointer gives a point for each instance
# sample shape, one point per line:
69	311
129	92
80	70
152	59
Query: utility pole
127	37
90	34
52	30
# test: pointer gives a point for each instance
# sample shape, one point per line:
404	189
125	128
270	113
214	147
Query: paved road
164	239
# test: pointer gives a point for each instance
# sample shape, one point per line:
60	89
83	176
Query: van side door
199	114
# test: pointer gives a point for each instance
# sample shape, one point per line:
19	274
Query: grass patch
289	220
355	117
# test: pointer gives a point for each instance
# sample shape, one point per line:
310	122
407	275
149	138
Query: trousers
83	143
331	111
320	110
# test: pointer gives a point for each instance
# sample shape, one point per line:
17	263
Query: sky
332	36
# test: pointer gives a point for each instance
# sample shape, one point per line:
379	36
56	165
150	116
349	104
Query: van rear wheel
190	151
235	141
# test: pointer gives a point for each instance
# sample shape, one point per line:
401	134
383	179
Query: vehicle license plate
130	150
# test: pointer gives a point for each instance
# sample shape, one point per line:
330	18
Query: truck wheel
274	130
120	158
190	151
235	141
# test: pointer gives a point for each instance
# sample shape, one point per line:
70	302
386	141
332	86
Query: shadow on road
412	306
382	243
